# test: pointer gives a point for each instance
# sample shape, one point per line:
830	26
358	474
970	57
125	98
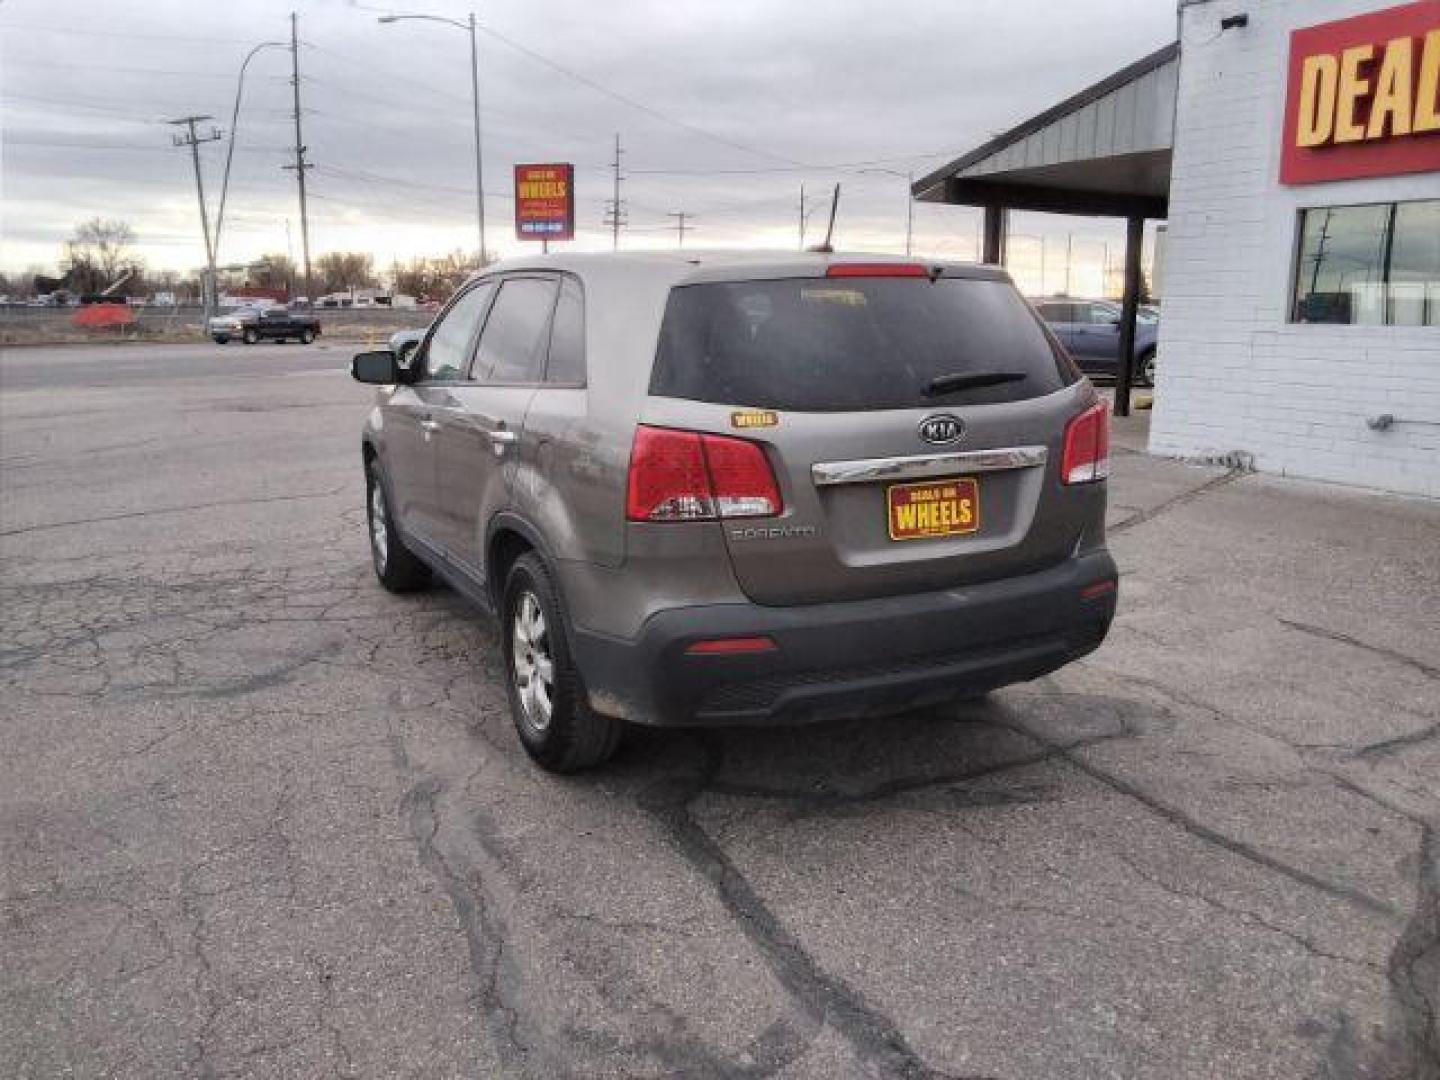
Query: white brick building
1237	374
1298	313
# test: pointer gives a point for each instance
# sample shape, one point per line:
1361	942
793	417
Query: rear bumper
852	658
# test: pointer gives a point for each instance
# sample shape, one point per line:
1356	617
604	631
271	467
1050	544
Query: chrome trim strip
869	470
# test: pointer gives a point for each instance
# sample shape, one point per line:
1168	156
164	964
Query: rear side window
851	344
567	337
512	345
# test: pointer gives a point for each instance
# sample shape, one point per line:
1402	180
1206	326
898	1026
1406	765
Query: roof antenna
825	248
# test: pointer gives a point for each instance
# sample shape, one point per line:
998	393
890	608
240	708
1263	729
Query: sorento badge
942	428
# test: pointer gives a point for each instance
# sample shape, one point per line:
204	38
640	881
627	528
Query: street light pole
479	165
234	122
470	27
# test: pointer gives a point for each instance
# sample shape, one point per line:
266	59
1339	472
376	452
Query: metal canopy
1106	151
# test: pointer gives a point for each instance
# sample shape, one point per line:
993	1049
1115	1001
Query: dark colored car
743	489
1090	329
265	324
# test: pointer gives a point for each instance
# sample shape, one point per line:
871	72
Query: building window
1377	265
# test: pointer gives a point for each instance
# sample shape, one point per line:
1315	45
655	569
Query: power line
69	31
640	106
49	144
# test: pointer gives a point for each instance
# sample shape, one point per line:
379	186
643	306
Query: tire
306	337
249	337
396	566
221	339
571	736
1145	370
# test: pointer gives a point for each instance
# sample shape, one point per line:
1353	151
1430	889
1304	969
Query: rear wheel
221	339
552	715
250	337
395	565
1146	368
306	337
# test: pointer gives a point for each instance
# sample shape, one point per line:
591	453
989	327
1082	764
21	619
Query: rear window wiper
947	384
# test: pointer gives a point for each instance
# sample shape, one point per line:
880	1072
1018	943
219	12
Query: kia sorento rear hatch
910	420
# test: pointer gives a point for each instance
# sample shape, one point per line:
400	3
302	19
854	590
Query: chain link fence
39	325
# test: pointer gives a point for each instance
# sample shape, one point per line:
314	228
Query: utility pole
909	210
802	215
1069	250
193	140
300	163
615	209
680	226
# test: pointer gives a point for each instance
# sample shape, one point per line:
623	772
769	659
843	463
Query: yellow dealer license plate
934	508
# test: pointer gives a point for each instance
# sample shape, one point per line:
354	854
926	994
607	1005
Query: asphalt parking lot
258	817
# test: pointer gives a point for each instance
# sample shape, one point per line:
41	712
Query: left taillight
1087	446
694	476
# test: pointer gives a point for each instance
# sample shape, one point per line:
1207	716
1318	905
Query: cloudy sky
723	109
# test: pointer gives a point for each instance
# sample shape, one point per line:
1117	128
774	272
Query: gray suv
743	489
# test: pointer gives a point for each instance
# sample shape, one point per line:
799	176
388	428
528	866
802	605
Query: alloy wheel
531	663
379	541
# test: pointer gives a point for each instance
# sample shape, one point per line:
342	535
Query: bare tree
274	271
98	254
433	278
340	270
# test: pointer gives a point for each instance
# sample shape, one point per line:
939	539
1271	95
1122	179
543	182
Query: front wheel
250	337
552	714
395	565
221	339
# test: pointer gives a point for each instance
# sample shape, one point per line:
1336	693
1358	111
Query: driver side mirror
380	368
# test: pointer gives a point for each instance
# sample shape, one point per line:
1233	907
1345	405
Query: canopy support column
996	225
1129	308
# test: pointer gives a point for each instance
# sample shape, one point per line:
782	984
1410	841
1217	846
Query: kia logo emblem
941	429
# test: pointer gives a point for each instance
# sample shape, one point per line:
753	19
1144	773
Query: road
259	818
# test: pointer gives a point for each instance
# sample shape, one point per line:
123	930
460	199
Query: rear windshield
852	344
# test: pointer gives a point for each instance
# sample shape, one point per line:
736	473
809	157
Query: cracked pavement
259	818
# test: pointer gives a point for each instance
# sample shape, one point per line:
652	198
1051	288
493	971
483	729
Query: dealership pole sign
1364	97
545	202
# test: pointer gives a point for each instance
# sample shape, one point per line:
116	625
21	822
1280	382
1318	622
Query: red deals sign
1363	96
545	202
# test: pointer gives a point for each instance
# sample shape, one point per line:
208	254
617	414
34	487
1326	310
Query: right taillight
1087	446
691	476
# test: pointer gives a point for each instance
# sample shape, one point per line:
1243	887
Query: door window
567	337
450	344
512	346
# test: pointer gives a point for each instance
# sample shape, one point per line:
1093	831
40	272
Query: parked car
403	343
734	489
1090	329
257	324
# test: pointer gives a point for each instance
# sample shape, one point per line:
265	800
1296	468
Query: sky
723	110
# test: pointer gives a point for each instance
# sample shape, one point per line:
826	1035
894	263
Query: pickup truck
254	324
